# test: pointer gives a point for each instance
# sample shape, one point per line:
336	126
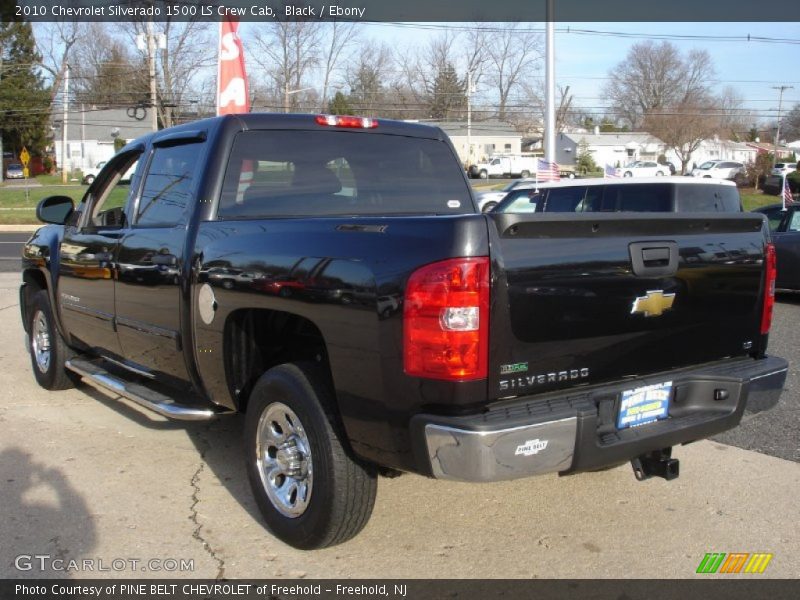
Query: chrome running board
95	375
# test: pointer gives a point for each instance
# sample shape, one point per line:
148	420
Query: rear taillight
446	320
346	121
769	289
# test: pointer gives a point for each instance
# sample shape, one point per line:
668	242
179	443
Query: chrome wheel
283	456
40	341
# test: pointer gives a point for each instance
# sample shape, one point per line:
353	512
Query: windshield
707	165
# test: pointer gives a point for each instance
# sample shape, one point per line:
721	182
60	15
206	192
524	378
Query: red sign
232	90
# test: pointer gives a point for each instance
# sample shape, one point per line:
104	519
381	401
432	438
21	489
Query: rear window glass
329	173
708	198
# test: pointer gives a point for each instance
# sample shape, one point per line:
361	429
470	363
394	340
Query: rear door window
708	198
336	173
638	198
566	199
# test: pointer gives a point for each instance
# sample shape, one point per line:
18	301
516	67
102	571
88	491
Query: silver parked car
719	169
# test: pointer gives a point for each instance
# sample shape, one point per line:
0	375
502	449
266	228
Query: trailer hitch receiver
656	464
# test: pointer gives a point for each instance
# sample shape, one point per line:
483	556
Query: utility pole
64	178
151	64
550	86
469	118
781	89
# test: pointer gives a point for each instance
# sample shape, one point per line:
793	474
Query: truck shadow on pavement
218	443
46	522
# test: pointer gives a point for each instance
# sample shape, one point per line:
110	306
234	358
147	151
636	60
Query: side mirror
55	209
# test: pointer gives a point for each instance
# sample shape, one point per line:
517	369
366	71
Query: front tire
488	206
627	174
310	489
483	175
47	348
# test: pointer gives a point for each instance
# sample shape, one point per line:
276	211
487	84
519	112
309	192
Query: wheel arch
34	280
257	339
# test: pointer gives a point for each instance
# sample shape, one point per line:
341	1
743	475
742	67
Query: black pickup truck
332	278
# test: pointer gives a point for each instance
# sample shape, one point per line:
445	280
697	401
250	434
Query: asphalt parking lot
87	478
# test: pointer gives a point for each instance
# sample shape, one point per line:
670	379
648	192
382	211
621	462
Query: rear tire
627	174
525	174
310	489
47	348
488	206
483	175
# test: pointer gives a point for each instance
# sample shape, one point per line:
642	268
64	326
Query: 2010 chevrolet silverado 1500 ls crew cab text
368	319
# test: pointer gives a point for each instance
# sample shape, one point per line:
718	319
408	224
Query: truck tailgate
587	299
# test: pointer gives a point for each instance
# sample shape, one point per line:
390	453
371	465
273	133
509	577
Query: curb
24	228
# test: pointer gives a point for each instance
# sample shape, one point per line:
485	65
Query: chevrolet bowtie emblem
653	304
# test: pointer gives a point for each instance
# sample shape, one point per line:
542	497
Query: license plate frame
644	404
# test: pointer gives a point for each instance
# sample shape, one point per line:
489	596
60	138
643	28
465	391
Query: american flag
610	171
787	193
547	171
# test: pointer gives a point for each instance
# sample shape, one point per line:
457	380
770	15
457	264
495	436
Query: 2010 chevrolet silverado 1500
333	278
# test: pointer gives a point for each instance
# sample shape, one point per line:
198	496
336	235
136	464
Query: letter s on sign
229	47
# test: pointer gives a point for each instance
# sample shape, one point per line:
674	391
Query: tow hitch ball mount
655	464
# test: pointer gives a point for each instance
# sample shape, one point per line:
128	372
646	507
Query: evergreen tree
584	159
447	94
339	105
24	101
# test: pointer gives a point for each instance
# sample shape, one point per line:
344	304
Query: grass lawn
15	208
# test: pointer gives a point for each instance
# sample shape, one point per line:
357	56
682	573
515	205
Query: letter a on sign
232	90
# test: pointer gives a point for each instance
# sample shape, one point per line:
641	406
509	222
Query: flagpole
219	64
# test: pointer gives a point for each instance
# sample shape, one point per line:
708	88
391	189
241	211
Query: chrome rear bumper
570	431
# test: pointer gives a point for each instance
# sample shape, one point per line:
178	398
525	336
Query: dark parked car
785	228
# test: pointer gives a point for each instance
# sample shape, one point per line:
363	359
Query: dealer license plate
644	405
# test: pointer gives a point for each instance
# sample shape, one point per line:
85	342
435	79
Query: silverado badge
653	304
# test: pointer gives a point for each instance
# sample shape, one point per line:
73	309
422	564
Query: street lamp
287	92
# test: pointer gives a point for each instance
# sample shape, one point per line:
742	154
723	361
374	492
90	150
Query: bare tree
104	71
512	55
656	76
532	118
733	119
287	50
55	41
790	127
684	126
340	37
369	86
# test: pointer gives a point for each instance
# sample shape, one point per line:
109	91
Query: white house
611	148
716	149
482	139
91	133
